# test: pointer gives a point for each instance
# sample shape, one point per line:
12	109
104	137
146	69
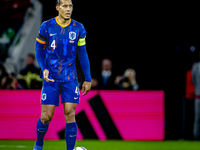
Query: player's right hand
46	76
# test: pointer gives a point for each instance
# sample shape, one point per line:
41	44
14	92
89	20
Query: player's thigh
50	93
70	92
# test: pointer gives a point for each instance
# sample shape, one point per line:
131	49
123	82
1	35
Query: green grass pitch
104	145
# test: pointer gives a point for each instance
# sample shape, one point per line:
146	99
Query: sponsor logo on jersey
53	34
72	35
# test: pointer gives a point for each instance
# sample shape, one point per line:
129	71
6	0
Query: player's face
65	9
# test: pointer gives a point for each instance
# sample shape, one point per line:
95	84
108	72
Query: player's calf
71	127
70	135
41	131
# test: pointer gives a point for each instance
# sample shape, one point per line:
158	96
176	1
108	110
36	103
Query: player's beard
64	17
67	18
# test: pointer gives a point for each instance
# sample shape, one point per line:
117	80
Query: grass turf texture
104	145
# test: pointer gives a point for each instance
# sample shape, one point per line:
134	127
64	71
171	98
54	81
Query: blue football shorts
51	92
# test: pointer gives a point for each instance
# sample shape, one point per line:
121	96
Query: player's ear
57	7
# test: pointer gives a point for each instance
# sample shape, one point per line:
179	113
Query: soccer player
56	45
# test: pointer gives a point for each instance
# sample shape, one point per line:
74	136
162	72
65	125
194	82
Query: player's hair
58	2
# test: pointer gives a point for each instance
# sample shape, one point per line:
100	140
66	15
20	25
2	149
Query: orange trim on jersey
61	24
40	41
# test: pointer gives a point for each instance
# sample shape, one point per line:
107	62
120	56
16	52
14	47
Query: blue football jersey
61	43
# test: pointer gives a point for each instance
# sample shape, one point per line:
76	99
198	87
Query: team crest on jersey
72	35
44	96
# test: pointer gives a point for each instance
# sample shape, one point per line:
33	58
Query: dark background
153	38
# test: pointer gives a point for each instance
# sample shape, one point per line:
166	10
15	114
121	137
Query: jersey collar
61	24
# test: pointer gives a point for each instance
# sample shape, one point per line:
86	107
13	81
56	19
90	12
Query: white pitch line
12	146
20	146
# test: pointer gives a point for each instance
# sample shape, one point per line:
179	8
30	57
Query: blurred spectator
13	13
5	40
29	77
3	75
196	82
189	94
189	106
11	82
106	78
127	81
94	83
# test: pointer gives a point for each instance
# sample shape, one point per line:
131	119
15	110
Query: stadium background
153	38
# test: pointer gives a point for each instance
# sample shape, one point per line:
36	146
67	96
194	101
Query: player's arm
39	48
85	64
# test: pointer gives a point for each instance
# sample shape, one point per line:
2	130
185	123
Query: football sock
41	131
70	135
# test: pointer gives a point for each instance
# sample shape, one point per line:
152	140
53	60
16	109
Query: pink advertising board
136	115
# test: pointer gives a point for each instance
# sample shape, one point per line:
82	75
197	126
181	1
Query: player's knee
70	116
46	118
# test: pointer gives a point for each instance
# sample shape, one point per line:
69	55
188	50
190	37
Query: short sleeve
82	36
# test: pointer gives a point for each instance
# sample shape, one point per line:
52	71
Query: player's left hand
86	87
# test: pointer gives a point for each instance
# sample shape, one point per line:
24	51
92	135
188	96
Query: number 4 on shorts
77	91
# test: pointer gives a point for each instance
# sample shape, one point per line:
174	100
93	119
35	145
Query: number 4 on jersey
53	44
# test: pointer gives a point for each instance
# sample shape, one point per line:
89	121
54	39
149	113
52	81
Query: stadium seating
18	15
13	15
